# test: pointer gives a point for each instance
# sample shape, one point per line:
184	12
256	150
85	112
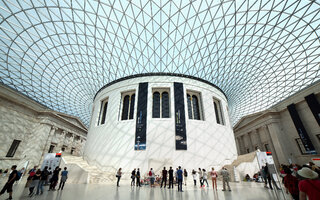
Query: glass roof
61	52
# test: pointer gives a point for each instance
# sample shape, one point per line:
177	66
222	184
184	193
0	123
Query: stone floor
241	191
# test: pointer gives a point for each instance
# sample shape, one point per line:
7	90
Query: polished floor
241	191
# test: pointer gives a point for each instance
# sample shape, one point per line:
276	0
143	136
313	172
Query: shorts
8	187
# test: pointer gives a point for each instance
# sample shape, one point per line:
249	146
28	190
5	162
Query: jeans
118	180
165	182
40	186
180	185
205	180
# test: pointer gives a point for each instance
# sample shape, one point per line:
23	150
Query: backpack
18	176
150	173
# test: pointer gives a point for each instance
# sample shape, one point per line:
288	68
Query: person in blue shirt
64	177
180	178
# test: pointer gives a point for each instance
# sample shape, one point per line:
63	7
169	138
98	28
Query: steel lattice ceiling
62	52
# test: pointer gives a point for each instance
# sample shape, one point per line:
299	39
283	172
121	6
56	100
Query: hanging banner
141	123
314	106
301	130
180	121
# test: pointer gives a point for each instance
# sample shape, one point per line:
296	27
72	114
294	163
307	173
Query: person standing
49	176
152	177
31	173
194	175
133	177
214	176
225	178
64	177
43	179
35	182
180	179
185	174
55	178
138	178
205	177
176	175
118	175
164	177
310	186
268	176
291	183
170	178
200	177
8	186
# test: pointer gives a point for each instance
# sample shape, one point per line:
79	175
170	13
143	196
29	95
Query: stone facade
273	130
37	128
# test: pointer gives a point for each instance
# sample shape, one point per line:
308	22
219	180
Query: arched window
104	113
189	106
160	103
194	105
125	107
165	105
196	111
156	105
218	111
132	100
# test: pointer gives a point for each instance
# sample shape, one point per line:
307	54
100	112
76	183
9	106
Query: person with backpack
152	177
31	173
12	178
43	178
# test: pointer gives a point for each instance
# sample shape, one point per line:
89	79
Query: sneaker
223	190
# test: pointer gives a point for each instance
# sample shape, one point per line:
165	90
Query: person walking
310	186
35	182
138	178
31	173
200	177
180	179
185	174
214	176
170	178
12	178
64	177
205	178
43	179
133	176
164	177
194	175
225	178
268	176
118	175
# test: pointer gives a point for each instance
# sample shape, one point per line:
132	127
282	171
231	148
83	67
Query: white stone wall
25	120
111	146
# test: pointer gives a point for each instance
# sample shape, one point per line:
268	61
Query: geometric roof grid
61	52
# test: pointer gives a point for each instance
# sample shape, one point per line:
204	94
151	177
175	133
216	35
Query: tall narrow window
132	99
13	148
194	105
104	112
156	105
160	104
128	101
189	106
218	111
165	110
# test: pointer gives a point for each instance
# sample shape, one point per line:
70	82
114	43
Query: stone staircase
81	172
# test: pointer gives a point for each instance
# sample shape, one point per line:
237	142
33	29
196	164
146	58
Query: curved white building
156	120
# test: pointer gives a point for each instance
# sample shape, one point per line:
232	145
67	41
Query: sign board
51	161
316	161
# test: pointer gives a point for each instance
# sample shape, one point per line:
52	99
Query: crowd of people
36	180
179	177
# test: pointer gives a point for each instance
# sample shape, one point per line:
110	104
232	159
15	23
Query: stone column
61	140
259	140
251	147
274	137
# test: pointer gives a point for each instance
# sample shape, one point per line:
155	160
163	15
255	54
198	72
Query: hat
307	173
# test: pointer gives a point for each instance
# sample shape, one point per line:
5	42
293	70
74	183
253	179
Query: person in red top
291	183
310	186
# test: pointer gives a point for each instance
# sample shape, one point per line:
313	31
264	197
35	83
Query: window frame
220	114
123	95
102	109
301	146
192	93
161	91
13	148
